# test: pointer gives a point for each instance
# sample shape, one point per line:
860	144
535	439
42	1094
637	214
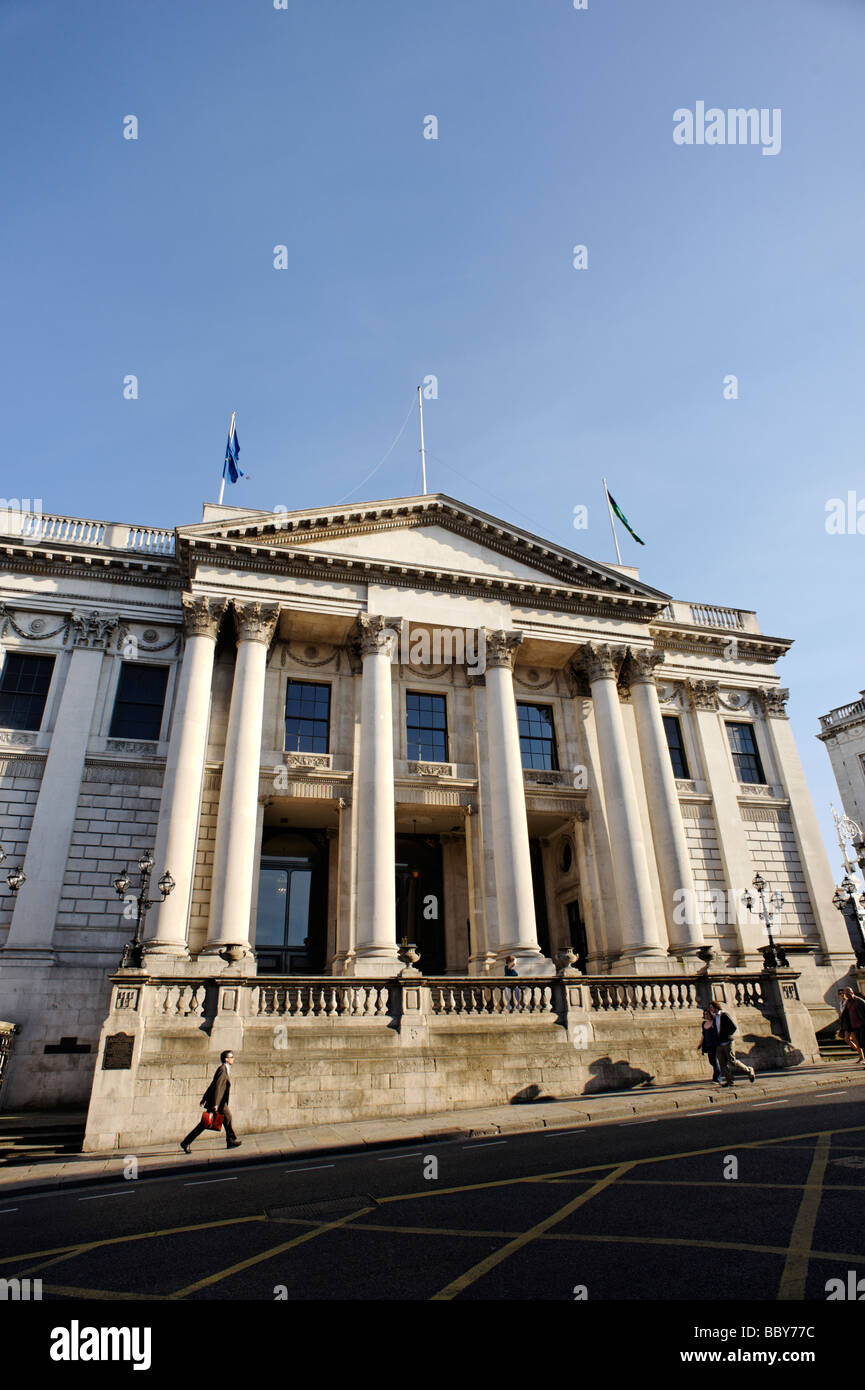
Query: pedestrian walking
852	1020
727	1060
215	1102
512	996
709	1044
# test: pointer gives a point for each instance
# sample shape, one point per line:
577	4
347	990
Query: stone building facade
340	729
842	733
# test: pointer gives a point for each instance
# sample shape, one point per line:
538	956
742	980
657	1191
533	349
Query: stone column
809	841
375	928
678	890
31	931
236	843
732	837
517	929
177	830
640	937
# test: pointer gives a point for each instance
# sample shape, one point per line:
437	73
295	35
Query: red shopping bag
211	1119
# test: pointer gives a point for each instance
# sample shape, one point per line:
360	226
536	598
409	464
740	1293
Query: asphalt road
761	1201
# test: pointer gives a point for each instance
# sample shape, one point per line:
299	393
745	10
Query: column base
378	963
652	961
166	950
529	961
481	964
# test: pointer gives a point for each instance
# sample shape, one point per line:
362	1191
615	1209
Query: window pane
139	702
307	717
298	906
537	737
23	690
270	916
426	727
676	745
746	756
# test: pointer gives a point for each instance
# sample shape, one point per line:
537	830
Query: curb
520	1124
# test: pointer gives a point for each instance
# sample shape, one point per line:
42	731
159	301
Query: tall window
676	745
426	719
139	702
307	717
537	736
24	690
746	756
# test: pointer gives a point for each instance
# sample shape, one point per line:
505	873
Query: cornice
116	567
680	637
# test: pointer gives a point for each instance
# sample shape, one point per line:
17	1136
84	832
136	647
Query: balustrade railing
51	528
514	997
331	998
643	994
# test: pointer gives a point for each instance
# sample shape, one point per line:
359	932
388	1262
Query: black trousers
230	1135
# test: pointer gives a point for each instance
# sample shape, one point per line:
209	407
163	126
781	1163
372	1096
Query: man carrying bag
215	1103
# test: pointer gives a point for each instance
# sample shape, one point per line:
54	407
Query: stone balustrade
328	997
508	996
640	994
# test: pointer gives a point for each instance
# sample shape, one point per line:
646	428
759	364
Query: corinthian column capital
774	701
201	615
256	622
502	647
703	694
600	660
642	665
375	633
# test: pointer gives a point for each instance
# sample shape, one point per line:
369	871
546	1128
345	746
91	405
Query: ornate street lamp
772	955
15	877
847	903
133	950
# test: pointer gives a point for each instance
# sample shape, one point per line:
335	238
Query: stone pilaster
177	829
236	845
678	890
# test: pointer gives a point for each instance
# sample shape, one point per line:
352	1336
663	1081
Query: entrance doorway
291	920
420	899
579	939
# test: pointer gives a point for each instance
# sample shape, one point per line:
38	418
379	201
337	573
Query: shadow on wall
615	1076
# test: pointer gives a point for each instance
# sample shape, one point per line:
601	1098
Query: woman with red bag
215	1103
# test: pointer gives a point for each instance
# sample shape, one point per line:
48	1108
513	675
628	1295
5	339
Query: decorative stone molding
642	665
534	680
581	815
774	699
35	631
374	634
502	647
256	622
685	786
738	700
601	661
419	769
576	680
670	694
309	760
92	631
201	616
703	694
141	746
15	738
545	778
311	655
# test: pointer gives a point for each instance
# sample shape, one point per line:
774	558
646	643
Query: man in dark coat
215	1099
852	1019
727	1059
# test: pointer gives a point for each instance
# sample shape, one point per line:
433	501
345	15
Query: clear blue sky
408	256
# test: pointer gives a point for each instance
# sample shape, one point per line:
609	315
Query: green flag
623	519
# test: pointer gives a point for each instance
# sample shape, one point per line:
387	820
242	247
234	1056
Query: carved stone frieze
92	631
738	700
375	634
642	665
420	769
308	760
601	660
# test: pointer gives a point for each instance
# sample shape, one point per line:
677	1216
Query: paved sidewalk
210	1150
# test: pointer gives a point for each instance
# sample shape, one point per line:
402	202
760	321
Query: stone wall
20	779
772	842
329	1050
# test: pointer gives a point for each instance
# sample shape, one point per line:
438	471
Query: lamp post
133	950
772	955
847	903
15	877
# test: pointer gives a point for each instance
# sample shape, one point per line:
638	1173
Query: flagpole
230	432
422	450
612	525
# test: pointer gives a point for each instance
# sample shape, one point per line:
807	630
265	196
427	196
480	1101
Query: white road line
4	1210
485	1144
769	1104
689	1114
122	1193
393	1158
561	1133
314	1169
830	1093
202	1182
654	1120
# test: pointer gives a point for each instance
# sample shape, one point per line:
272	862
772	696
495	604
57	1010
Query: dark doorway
579	940
540	894
291	920
420	899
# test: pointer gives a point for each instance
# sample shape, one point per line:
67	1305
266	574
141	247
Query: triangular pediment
431	534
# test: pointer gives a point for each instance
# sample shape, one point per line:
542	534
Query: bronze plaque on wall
118	1052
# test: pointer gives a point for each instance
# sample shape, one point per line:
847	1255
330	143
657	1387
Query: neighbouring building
842	731
341	729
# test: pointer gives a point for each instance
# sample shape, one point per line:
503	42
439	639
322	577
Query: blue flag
230	469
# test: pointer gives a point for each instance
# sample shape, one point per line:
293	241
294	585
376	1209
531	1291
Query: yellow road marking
796	1265
266	1255
136	1235
496	1258
70	1291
